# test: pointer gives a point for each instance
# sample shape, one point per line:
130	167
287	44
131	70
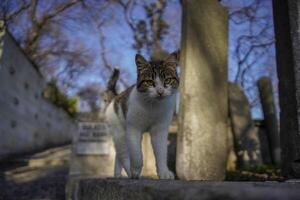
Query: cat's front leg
159	140
134	137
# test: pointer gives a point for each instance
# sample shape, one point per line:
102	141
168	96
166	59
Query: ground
34	177
43	175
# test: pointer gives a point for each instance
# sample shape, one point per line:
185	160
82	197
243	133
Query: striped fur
149	71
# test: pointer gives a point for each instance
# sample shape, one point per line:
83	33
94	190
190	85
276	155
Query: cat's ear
141	62
172	60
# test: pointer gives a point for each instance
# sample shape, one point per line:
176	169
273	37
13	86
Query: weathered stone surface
202	137
270	117
95	189
287	33
35	176
246	140
28	122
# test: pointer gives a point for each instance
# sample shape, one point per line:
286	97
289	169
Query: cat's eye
149	83
168	80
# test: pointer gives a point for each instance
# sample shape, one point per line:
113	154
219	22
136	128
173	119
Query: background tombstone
287	24
2	33
246	140
202	137
270	119
91	156
232	158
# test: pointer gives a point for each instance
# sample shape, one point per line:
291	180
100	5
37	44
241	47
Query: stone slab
95	189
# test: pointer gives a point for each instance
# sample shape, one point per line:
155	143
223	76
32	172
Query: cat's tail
110	92
111	85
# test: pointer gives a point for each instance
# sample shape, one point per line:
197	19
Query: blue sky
121	54
119	41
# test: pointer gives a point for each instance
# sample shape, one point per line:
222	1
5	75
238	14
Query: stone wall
28	122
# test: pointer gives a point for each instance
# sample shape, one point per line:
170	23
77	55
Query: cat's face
157	79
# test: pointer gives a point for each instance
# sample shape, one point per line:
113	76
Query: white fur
146	112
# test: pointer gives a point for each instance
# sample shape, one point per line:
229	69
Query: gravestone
246	140
93	153
268	106
202	138
2	33
232	158
264	142
287	25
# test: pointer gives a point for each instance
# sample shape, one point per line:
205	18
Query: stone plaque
93	138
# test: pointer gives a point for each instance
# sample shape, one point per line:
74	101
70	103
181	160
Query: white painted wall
28	122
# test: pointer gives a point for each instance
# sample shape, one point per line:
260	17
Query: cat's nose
160	92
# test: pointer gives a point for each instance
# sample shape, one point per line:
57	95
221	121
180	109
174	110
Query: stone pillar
268	106
246	139
287	22
202	137
2	33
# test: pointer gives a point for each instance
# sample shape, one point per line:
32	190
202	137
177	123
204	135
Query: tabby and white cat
146	106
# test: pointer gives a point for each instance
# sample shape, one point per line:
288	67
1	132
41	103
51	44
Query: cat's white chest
145	114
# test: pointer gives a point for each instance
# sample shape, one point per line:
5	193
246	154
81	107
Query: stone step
36	166
27	174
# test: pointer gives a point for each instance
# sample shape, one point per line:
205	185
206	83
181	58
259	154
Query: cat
147	105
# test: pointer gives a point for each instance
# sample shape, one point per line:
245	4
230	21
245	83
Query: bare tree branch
7	15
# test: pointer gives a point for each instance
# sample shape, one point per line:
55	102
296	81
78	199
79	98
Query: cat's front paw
135	172
166	174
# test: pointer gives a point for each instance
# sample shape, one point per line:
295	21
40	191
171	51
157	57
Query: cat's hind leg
122	156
